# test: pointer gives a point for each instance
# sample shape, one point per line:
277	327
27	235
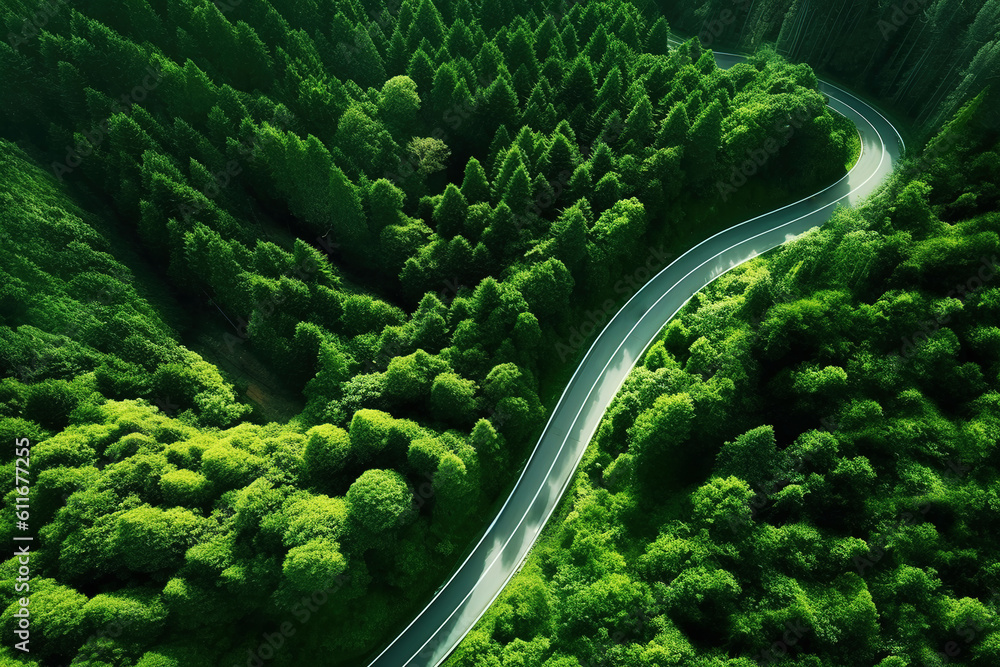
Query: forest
921	58
281	281
841	507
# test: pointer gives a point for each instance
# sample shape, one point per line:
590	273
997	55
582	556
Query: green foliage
429	154
278	319
793	472
379	501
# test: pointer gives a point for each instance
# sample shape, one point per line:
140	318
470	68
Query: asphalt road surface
456	608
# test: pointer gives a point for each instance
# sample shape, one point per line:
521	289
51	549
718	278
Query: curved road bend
456	608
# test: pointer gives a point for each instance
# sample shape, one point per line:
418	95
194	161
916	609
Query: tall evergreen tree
475	186
450	213
703	143
427	24
421	70
460	41
501	108
673	129
579	86
639	126
498	151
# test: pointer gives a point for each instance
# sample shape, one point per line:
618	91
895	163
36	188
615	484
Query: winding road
457	606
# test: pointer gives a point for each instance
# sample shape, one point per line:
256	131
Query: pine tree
198	96
517	194
458	258
531	145
673	129
513	159
460	42
703	142
579	86
658	40
596	47
639	125
547	40
475	186
365	64
498	151
522	84
610	94
607	191
450	213
442	94
553	72
501	107
255	69
210	27
421	70
521	51
560	156
501	237
629	34
570	42
580	184
385	206
601	162
398	57
489	62
427	24
346	215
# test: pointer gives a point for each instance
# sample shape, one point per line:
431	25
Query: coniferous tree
638	128
475	186
703	142
450	213
579	86
673	129
501	107
398	56
460	42
443	92
498	151
421	70
427	24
